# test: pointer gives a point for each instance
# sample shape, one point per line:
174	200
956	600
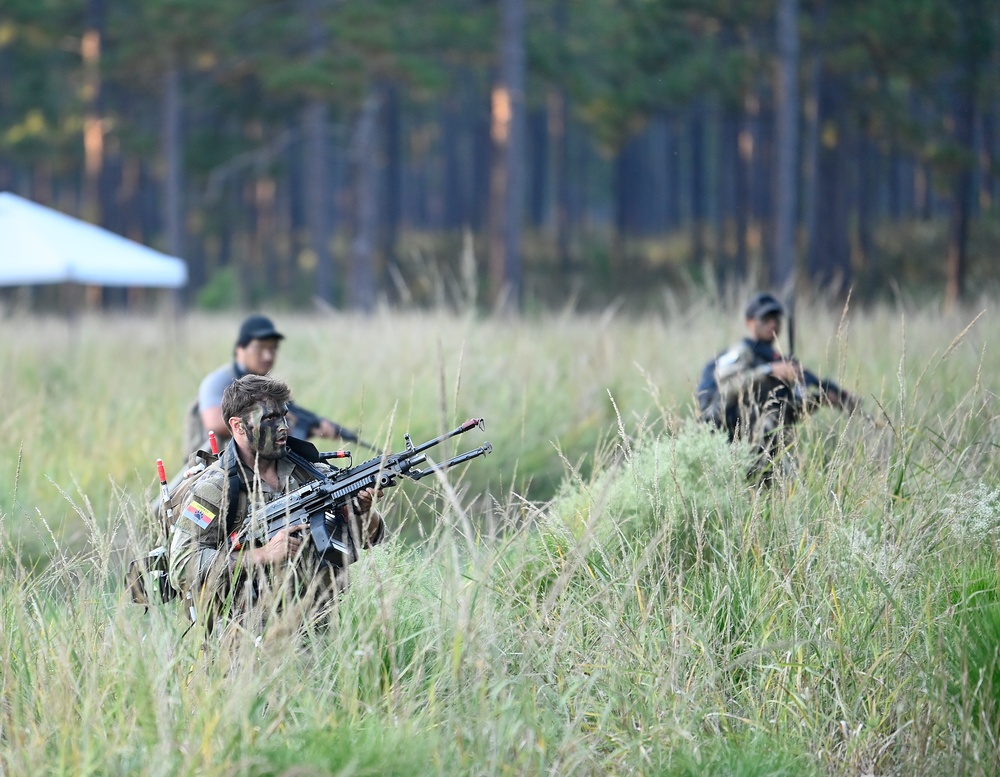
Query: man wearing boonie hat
754	392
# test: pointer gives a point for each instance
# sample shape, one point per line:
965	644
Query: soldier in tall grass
753	392
211	560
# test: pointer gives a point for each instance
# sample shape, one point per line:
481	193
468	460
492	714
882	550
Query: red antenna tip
161	471
213	443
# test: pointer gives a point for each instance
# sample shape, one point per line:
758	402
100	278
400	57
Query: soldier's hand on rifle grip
787	371
282	546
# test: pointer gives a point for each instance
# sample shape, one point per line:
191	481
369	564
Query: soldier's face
765	329
266	428
258	356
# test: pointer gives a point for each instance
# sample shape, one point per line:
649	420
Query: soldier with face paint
205	559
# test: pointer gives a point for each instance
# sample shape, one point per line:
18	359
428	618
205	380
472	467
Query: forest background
521	152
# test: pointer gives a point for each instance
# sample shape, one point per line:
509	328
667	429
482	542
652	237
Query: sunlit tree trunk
93	121
507	180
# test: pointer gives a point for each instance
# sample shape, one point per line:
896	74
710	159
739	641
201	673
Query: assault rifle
306	421
848	401
319	504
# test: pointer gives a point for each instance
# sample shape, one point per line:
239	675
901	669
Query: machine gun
321	504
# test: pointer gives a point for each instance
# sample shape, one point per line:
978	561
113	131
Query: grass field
602	595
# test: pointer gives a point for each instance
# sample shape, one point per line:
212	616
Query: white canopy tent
41	245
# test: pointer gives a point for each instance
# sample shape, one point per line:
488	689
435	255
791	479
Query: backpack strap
234	479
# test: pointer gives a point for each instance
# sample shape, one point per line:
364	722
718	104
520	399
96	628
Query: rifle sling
303	454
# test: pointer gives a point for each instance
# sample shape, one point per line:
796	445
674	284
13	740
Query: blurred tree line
498	153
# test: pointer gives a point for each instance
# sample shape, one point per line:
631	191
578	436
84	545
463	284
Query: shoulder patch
201	515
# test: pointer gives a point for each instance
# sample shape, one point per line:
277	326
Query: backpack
146	578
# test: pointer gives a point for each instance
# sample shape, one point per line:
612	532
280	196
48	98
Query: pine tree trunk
392	187
93	124
559	134
172	163
829	255
366	207
786	163
961	203
538	170
987	161
697	180
317	197
507	180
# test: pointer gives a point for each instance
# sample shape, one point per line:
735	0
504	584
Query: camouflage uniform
739	394
205	562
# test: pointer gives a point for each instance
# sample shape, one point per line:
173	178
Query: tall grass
620	603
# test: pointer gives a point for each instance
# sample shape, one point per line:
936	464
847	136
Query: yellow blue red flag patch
200	514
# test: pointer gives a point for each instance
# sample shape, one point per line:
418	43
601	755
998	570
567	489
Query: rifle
852	404
306	420
319	503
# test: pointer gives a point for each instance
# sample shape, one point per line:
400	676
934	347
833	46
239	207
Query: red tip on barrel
161	471
213	443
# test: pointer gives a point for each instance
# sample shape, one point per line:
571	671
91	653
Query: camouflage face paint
267	429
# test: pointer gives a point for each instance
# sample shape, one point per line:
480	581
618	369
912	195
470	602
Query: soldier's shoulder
737	352
211	485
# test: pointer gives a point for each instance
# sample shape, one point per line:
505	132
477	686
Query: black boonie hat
256	328
764	304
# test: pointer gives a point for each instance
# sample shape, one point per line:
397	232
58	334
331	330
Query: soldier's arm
210	404
830	392
200	552
735	374
198	544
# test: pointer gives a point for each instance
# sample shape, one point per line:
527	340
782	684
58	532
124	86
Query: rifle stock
320	503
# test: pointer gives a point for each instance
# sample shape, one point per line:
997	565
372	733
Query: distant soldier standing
756	394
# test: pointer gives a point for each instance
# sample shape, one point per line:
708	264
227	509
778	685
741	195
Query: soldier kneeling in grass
754	393
212	560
